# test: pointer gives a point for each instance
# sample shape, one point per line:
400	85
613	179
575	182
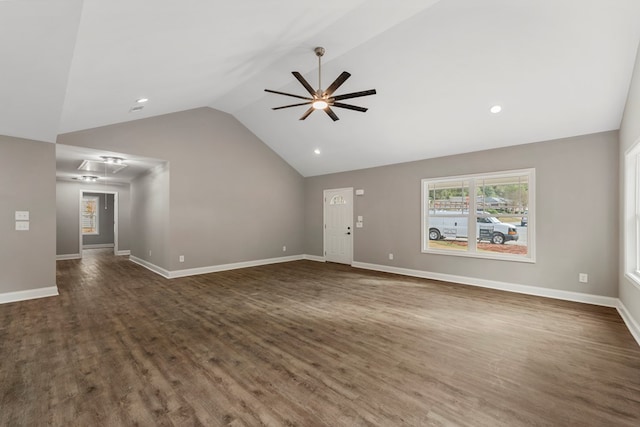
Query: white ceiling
70	158
558	67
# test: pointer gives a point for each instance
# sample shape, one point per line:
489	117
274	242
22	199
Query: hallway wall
68	222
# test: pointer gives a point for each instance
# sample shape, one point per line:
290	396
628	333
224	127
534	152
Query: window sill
495	257
634	278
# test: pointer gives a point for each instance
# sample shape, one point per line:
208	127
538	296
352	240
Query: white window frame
96	215
631	222
472	247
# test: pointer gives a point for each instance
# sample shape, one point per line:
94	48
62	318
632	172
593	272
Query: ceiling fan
324	100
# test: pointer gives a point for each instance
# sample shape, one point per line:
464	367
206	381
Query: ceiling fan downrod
319	53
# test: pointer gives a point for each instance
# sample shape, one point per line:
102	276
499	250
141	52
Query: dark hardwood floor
307	344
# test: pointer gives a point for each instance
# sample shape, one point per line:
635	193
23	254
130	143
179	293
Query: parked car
524	221
488	228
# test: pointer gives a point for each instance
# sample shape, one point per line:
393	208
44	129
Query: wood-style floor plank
306	344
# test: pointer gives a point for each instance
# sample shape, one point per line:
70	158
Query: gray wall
576	212
105	221
232	198
68	205
150	216
629	134
27	183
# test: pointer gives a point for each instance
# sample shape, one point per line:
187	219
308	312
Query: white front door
338	225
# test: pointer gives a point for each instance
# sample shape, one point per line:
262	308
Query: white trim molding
213	268
631	323
231	266
123	253
65	257
491	284
8	297
314	258
98	246
149	266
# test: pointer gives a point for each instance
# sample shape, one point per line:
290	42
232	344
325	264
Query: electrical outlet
181	259
284	249
390	256
583	278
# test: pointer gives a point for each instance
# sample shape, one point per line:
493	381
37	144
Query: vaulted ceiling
557	67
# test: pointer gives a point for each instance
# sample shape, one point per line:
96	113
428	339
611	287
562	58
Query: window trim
471	252
96	215
631	212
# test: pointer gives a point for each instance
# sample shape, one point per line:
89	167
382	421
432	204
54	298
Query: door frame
115	217
324	220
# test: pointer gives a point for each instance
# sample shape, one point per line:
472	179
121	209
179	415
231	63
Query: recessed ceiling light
317	151
89	178
142	100
496	109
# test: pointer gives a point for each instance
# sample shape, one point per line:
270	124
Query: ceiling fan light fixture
112	160
323	99
320	104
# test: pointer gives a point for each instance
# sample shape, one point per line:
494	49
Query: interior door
338	225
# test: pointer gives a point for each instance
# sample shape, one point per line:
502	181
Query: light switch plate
359	192
22	215
22	225
358	225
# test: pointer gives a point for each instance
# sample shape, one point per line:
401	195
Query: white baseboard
67	256
8	297
149	266
98	246
231	266
314	258
77	256
631	323
503	286
213	268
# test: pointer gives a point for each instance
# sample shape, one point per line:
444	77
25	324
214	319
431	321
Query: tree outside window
90	220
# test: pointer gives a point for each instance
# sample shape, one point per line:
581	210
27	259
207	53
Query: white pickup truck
488	228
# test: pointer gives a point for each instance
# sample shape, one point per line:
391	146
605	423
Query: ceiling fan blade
306	113
292	105
331	114
304	83
353	95
337	83
349	107
288	94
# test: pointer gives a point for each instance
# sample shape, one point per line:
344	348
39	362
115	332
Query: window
337	200
631	223
502	226
90	211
